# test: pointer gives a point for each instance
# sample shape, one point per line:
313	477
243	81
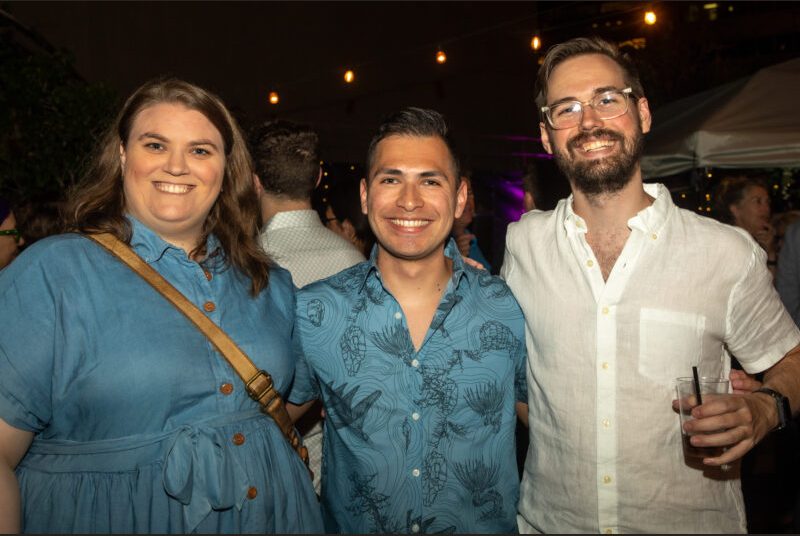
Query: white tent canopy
750	123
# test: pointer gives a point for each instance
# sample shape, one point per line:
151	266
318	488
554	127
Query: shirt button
414	527
207	274
590	263
226	388
238	439
605	365
608	531
654	236
252	492
606	423
606	479
398	315
415	363
415	416
415	472
209	306
605	310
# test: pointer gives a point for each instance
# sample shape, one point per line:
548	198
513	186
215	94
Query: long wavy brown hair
97	203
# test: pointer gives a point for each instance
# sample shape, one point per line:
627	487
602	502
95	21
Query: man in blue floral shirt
418	359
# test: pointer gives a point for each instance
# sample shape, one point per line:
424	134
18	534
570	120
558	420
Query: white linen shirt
605	450
298	241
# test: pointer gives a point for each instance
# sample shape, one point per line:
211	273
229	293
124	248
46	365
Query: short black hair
286	158
414	122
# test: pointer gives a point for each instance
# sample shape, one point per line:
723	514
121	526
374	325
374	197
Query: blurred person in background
744	202
116	413
466	241
343	213
40	219
10	237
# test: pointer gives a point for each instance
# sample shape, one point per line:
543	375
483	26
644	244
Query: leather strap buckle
260	388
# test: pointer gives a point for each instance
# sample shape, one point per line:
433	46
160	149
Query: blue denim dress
140	425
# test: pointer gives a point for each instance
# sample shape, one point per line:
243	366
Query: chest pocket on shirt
670	343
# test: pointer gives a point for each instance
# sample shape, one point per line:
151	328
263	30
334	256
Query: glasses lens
606	105
12	233
566	114
610	104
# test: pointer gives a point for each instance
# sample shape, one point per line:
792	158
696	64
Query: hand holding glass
687	400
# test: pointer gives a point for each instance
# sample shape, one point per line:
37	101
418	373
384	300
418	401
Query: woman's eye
201	151
154	145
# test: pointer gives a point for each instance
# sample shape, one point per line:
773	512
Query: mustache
584	137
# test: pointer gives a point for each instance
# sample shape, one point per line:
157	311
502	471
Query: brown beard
604	176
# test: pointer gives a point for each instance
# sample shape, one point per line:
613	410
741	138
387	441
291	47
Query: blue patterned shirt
415	441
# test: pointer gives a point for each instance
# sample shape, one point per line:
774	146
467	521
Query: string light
650	18
273	97
536	43
349	76
441	57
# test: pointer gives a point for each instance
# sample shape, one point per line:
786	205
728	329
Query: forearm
784	377
522	413
9	501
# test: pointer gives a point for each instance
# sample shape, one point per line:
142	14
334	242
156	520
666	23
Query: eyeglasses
12	232
606	105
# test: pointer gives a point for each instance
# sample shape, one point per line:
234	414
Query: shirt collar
652	218
450	251
647	220
151	247
293	218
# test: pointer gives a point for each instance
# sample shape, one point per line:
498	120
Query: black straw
697	386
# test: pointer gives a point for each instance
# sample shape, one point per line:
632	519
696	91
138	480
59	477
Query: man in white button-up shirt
623	292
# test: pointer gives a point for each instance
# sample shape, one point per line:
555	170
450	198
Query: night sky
244	50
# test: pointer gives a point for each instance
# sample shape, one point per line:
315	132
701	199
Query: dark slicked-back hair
417	123
97	203
286	157
581	46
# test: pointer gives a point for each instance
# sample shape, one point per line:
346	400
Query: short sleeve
304	387
759	330
28	320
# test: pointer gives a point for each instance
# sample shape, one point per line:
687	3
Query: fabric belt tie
202	476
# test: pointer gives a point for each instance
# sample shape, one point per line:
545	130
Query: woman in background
744	202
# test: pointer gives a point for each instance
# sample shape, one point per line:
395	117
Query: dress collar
151	247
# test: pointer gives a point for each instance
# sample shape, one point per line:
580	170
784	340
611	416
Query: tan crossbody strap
258	383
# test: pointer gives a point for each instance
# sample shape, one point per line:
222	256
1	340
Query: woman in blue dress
116	413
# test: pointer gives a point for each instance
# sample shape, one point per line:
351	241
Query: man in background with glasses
10	238
623	292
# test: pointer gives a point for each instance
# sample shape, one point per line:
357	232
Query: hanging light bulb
273	97
650	17
536	43
349	76
441	57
